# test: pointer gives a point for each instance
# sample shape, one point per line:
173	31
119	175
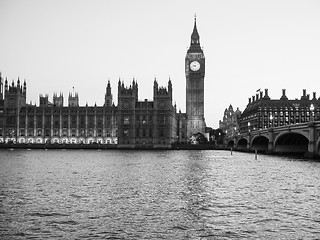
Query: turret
283	97
18	83
6	85
1	87
155	87
25	87
170	87
58	100
128	91
108	96
127	96
14	96
73	100
43	100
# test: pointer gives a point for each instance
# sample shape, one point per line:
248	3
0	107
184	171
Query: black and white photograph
158	119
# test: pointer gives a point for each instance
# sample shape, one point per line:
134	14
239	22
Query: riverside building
263	112
133	123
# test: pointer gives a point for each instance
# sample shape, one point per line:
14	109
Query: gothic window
56	132
47	132
47	121
161	132
126	120
39	121
82	121
65	123
21	132
22	122
56	122
39	132
30	132
73	121
125	105
64	133
90	132
91	121
82	133
99	121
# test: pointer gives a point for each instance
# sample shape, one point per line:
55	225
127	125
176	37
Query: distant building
146	124
230	123
133	123
54	123
195	72
263	112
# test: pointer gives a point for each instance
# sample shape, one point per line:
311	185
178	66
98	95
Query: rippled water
69	194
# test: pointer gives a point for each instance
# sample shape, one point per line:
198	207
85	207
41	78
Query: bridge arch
242	144
231	144
291	142
260	143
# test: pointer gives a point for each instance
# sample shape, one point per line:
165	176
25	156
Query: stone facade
132	124
263	112
230	123
146	124
50	123
195	72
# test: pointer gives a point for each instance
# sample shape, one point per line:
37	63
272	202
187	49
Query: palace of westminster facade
132	123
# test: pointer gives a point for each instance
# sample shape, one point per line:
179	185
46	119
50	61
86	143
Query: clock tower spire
195	39
195	72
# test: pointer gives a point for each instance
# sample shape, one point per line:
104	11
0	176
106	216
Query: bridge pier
271	141
312	148
249	143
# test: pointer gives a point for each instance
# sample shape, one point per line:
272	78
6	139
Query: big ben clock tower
195	70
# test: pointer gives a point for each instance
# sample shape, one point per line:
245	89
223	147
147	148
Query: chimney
257	96
261	94
253	98
266	93
304	92
249	100
314	96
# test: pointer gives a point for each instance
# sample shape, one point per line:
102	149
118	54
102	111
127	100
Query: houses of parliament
130	124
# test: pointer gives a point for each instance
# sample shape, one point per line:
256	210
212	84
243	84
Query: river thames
113	194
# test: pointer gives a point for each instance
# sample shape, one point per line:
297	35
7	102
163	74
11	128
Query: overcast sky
249	45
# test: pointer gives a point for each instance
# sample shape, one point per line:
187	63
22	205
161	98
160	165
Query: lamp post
311	109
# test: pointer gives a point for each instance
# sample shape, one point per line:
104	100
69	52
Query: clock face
194	66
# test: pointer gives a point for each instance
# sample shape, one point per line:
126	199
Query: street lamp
249	126
312	109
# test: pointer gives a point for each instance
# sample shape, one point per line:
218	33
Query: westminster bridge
296	138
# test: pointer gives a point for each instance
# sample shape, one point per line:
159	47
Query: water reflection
157	194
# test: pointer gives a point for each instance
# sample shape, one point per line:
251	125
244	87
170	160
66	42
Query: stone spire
195	40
